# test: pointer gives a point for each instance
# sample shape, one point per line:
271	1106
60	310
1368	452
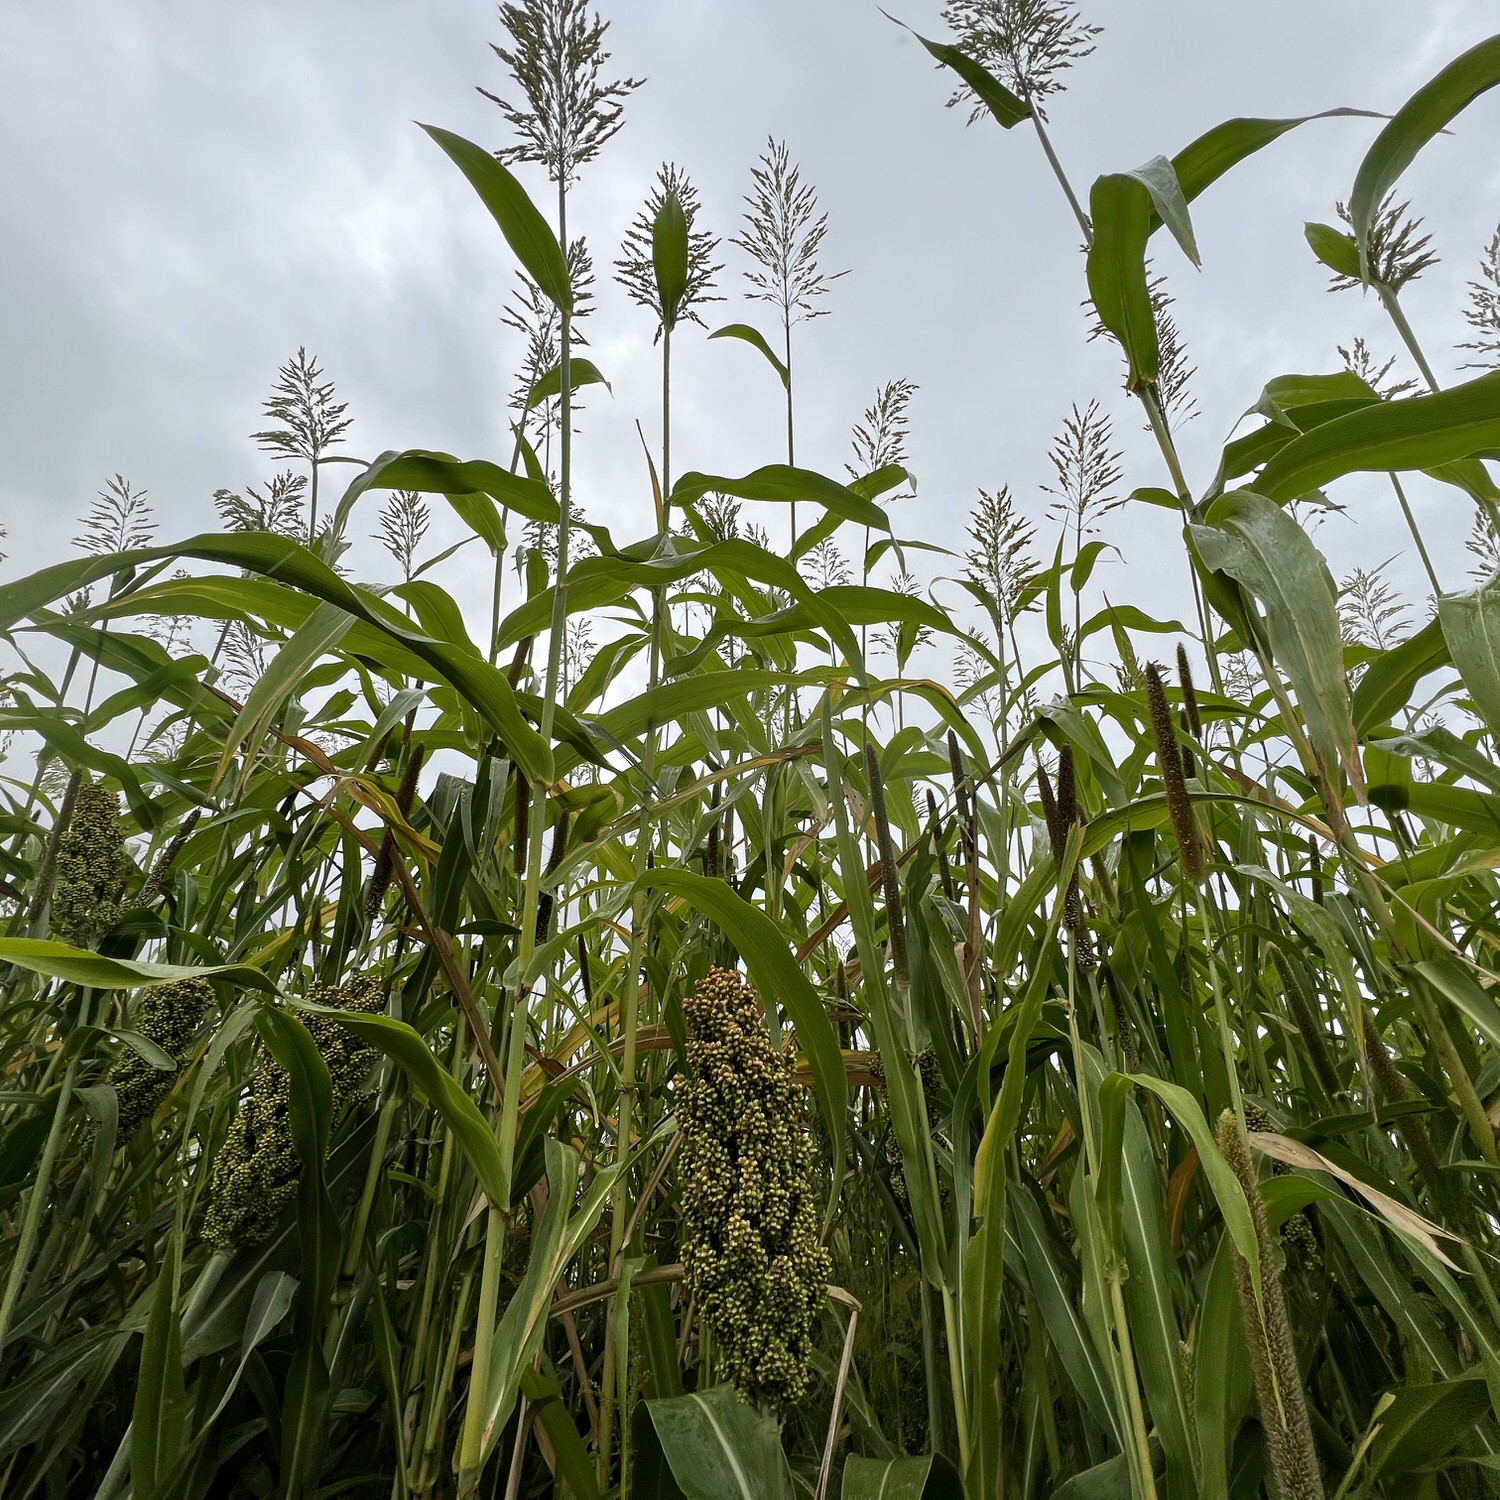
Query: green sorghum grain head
91	866
750	1247
170	1016
256	1171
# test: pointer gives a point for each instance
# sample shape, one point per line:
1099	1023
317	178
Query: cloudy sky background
193	190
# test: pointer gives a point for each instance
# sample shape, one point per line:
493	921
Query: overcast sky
191	191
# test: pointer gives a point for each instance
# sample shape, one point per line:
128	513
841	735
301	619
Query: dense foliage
706	1058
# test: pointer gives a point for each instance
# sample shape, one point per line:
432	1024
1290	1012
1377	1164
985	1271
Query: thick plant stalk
41	1189
630	998
1279	1393
472	1439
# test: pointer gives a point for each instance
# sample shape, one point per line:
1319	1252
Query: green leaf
524	228
405	1047
555	1241
1004	105
1471	631
708	1446
1122	213
746	334
80	966
782	482
1202	162
929	1477
1425	1423
485	687
575	1465
308	1383
1412	126
1334	248
775	972
1221	1179
432	473
1415	432
581	372
1265	551
159	1419
669	257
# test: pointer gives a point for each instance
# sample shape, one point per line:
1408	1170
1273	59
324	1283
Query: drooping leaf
757	340
81	966
581	372
1265	551
782	482
1470	624
405	1047
1007	109
1121	210
456	479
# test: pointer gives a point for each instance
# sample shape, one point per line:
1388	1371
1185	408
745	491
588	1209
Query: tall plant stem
1062	177
1392	305
41	1190
1416	536
472	1440
791	436
630	998
1148	399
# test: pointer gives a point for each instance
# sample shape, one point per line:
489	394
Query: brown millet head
1189	694
750	1247
1169	767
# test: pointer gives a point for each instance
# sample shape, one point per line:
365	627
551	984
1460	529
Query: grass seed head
257	1170
91	866
170	1016
1169	766
750	1246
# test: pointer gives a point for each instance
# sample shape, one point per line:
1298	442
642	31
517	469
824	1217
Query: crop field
755	1004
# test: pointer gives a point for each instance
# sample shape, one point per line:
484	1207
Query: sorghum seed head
750	1247
168	1015
91	866
257	1169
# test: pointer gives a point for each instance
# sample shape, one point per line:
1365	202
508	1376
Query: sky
193	191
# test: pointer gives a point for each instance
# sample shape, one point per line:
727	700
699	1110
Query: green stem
1062	178
1392	305
471	1443
41	1188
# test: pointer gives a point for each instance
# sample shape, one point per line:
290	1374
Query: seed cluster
926	1064
750	1248
256	1173
91	868
168	1015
